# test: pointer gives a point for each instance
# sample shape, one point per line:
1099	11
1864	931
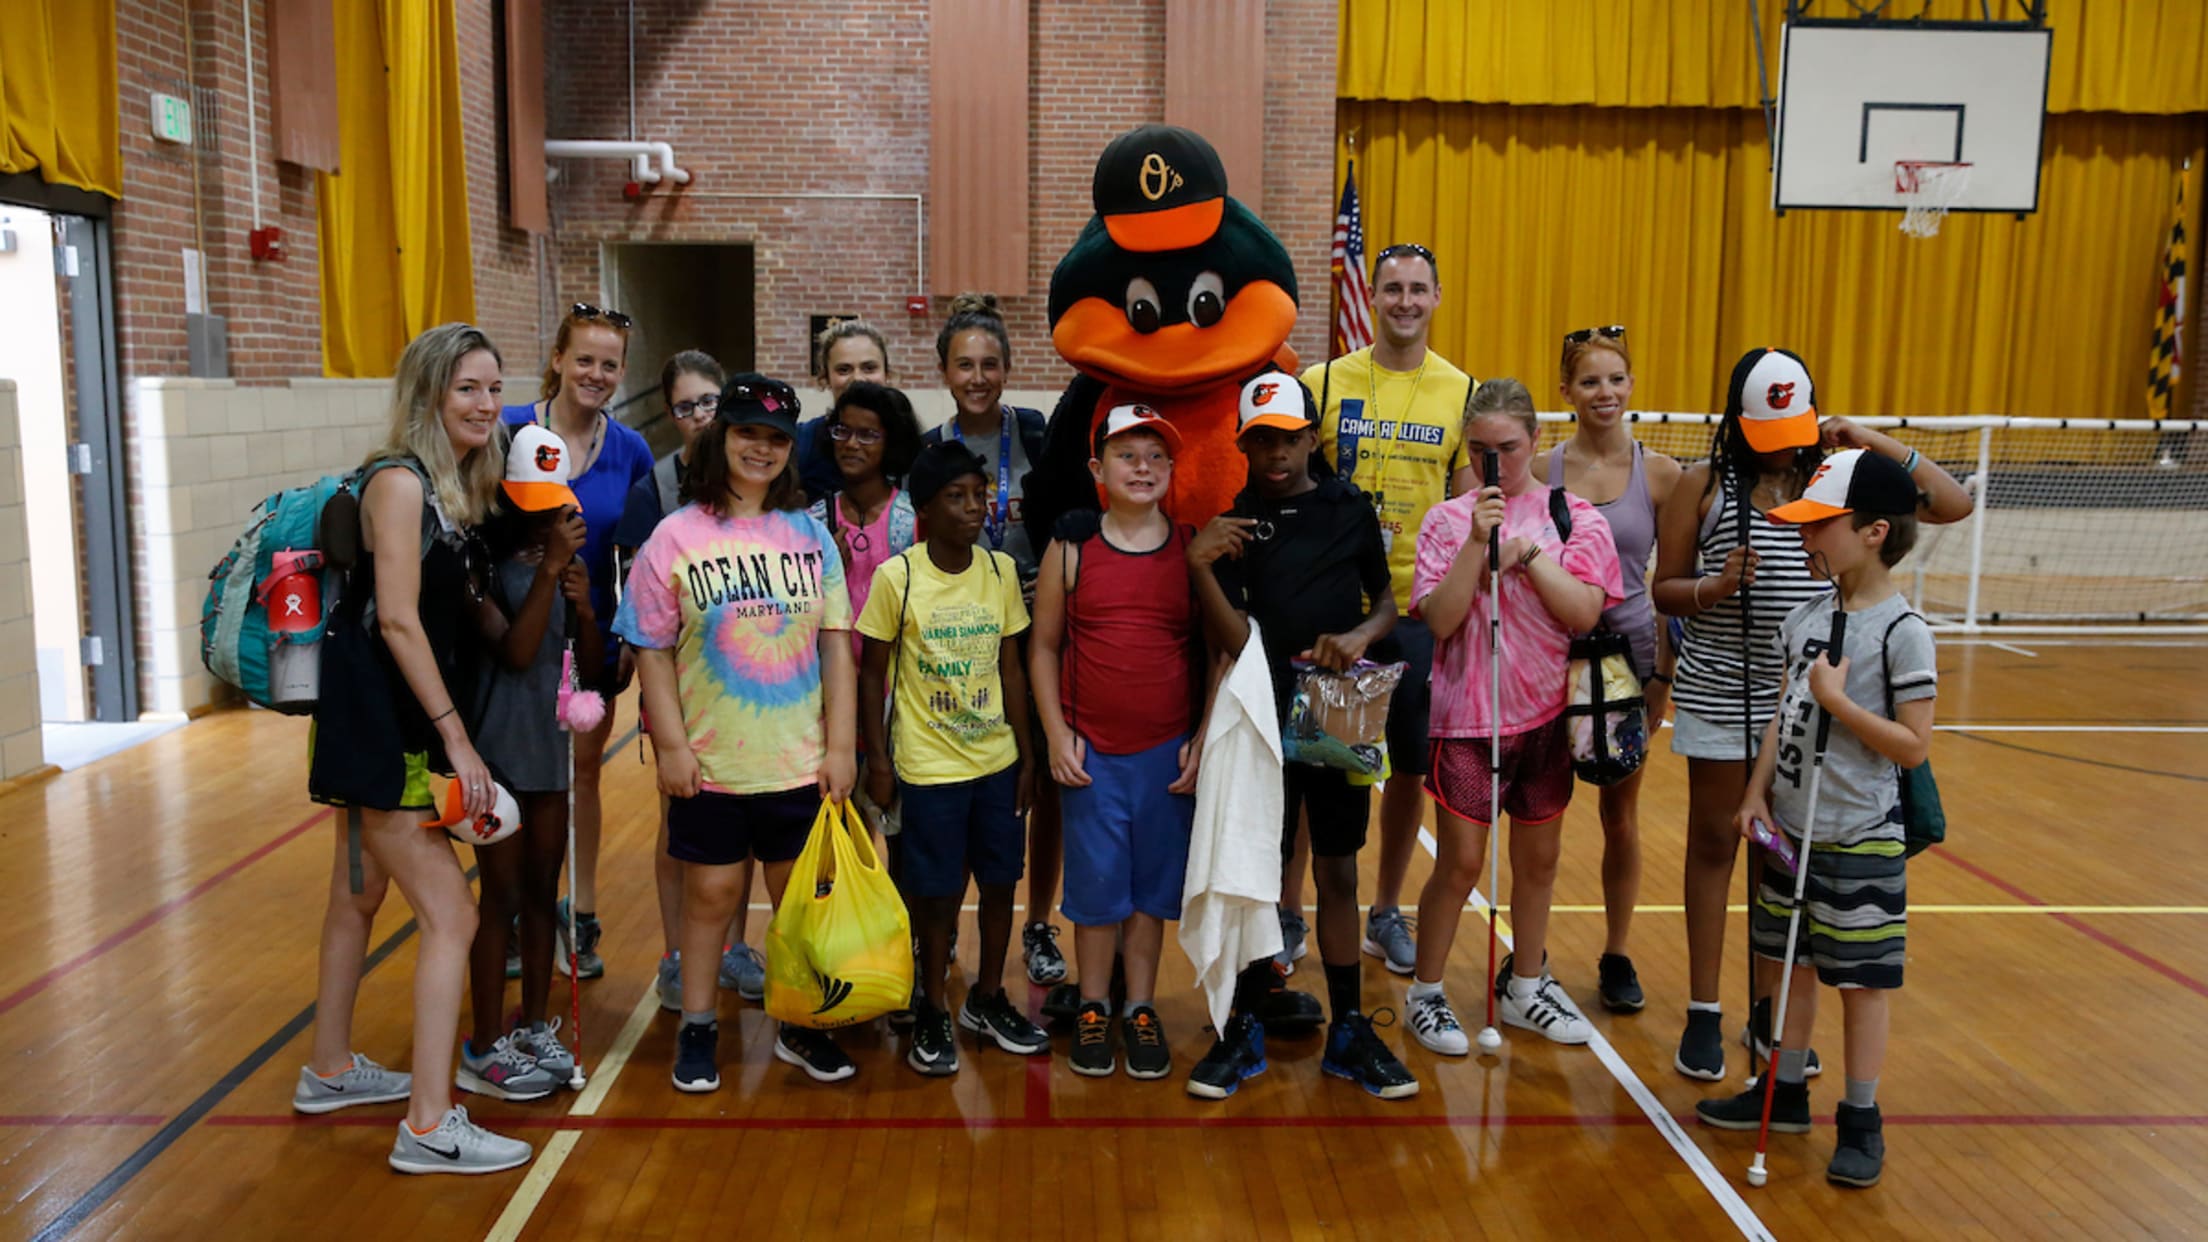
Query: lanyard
996	524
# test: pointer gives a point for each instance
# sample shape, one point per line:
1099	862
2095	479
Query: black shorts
1412	706
1338	810
717	829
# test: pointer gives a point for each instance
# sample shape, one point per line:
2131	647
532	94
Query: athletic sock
1793	1065
1252	984
1419	988
1862	1093
1695	1006
1345	986
697	1019
1522	987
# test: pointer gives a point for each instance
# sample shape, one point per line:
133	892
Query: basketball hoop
1926	189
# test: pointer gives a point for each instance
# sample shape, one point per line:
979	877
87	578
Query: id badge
1387	540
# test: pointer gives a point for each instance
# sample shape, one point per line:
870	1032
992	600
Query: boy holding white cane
1857	520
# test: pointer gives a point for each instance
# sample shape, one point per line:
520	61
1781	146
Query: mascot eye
1207	300
1143	307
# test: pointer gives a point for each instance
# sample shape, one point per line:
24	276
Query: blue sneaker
1238	1054
744	972
1354	1052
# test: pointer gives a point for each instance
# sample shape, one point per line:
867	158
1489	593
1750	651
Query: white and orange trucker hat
1852	481
1772	394
1137	417
537	471
1273	399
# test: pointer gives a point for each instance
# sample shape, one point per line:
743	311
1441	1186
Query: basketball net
1926	190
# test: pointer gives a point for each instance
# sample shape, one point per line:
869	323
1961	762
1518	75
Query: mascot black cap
1160	187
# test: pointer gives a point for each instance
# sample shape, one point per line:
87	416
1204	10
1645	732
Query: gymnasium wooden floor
162	909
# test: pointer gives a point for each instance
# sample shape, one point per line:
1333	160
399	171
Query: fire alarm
632	191
917	304
267	244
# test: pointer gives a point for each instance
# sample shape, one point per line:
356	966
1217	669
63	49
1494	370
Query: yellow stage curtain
394	217
2132	56
58	90
1549	219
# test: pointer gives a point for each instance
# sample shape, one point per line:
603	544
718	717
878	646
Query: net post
1978	527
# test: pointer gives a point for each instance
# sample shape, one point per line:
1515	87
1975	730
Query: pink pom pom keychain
580	710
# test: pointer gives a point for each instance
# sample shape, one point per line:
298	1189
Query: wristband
1909	463
1698	605
447	712
1529	555
1662	677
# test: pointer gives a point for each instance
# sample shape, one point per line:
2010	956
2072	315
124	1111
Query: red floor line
155	915
551	1121
2079	925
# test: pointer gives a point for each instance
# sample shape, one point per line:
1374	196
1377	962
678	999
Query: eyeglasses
865	437
1612	332
697	407
614	318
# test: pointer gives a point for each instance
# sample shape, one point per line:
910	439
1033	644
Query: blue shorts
1126	837
967	827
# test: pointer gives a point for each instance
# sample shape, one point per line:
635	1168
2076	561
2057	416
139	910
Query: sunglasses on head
584	310
1608	332
1403	249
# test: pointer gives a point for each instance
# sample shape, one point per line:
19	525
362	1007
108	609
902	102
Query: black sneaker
1861	1155
1147	1053
1759	1031
1238	1054
697	1057
934	1050
813	1052
1062	1003
993	1018
1789	1110
1092	1042
1039	952
1702	1046
1620	986
1284	1012
1354	1051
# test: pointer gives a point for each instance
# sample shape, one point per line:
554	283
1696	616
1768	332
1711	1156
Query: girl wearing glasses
846	352
1602	464
605	459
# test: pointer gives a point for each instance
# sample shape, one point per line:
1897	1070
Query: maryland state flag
2165	360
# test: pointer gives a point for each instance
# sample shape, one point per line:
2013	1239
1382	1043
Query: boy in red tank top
1112	662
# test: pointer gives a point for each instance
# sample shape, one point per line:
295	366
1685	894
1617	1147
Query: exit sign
172	118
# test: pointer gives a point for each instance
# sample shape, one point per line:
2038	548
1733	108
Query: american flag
1352	295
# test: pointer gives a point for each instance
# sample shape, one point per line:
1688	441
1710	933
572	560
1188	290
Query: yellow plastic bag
839	950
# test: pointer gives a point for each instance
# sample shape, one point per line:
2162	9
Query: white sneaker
457	1145
1435	1025
365	1082
1547	1012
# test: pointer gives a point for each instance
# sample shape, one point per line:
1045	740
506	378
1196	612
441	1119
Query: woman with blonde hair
388	716
606	457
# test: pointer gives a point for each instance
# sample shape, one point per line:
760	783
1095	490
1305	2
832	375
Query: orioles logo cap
537	471
1160	187
1852	481
1772	394
1273	399
1137	417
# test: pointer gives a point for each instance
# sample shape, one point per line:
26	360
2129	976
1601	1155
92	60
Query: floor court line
542	1170
1217	1121
2078	925
1676	908
116	939
1667	1124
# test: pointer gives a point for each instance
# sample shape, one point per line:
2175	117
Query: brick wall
21	750
828	99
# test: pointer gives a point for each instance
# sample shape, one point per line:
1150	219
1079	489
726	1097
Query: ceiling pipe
641	154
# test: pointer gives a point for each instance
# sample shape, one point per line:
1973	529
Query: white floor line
1697	1161
515	1218
601	1074
2013	648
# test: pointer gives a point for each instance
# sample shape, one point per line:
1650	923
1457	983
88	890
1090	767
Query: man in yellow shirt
1392	421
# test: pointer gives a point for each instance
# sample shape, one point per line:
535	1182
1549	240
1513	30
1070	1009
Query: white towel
1229	915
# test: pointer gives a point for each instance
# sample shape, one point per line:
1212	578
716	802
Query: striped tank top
1708	682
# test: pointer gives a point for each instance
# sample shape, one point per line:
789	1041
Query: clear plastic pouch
1340	719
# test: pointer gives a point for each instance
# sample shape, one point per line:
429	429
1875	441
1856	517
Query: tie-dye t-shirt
742	602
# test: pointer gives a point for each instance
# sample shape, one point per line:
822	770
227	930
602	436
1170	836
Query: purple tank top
1632	518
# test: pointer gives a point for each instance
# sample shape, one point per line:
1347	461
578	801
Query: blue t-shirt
603	491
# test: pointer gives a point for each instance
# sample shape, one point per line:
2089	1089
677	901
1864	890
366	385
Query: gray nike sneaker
744	972
364	1082
670	982
1388	937
457	1145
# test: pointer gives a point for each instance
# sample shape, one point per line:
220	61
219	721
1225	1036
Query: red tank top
1127	663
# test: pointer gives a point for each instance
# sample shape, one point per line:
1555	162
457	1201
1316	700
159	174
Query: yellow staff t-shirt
948	723
1398	435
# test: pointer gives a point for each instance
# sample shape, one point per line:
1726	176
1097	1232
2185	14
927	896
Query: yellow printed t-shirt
948	716
1398	435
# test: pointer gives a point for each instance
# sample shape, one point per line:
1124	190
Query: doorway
682	296
57	334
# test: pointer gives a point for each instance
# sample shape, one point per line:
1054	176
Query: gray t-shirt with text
1860	797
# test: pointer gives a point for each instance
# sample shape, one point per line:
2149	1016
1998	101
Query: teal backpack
271	597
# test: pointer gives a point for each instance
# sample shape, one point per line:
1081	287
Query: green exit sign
172	118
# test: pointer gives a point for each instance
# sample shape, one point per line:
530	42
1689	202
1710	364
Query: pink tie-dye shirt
1535	644
742	602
